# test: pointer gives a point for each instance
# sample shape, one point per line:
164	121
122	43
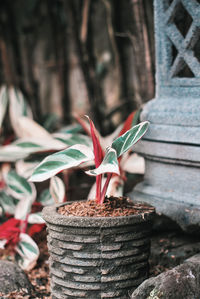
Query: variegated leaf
57	189
29	128
11	153
23	147
71	157
23	208
8	203
115	187
28	252
39	144
108	165
3	103
45	198
50	121
72	139
19	187
18	107
128	139
133	164
71	129
35	218
3	243
24	168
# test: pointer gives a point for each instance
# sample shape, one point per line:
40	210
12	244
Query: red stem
105	187
82	123
98	189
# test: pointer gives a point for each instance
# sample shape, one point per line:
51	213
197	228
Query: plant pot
97	257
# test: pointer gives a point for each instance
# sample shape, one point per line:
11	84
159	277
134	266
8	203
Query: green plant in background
17	202
17	195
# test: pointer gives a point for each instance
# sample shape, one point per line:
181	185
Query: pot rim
51	216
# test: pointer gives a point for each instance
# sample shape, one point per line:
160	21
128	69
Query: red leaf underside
128	123
98	158
35	228
10	230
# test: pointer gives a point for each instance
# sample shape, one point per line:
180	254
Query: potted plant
98	248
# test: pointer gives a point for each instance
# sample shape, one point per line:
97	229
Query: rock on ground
181	282
12	278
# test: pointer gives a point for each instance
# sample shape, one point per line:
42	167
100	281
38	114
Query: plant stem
23	225
103	193
98	189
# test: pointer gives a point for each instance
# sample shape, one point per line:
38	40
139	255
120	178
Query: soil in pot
98	251
112	207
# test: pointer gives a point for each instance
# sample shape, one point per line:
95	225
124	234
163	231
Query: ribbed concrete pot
104	257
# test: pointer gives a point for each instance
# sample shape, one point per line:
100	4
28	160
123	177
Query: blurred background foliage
91	57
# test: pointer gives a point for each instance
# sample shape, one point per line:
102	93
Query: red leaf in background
128	123
98	157
8	140
36	207
2	185
35	228
10	230
98	152
82	123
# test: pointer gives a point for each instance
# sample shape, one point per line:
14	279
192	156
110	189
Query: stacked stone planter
95	258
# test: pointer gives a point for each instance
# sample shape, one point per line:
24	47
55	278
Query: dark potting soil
112	207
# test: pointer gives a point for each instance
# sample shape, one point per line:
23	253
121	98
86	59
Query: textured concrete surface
171	146
97	257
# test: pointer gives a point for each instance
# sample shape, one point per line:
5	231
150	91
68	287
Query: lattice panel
182	20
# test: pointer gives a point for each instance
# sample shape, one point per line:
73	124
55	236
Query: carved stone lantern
172	146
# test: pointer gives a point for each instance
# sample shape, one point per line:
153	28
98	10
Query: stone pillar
172	145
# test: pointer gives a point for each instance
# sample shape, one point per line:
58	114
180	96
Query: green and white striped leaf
35	218
72	139
24	168
18	107
45	198
12	153
28	252
57	189
19	187
128	139
133	164
8	203
71	129
29	128
3	103
50	122
23	147
108	165
23	208
38	144
71	157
